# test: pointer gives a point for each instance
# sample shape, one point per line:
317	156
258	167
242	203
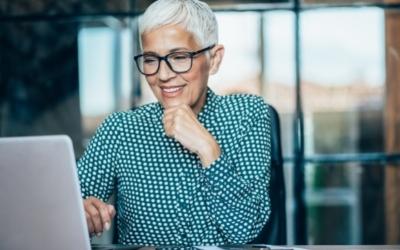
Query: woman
193	168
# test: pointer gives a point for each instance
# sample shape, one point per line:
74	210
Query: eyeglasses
178	62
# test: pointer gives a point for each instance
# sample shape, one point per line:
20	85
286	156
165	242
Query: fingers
95	219
176	117
168	122
105	217
181	112
181	124
111	210
98	215
89	223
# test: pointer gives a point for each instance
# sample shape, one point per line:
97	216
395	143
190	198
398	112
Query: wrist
210	152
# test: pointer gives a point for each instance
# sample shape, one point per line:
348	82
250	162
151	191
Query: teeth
170	90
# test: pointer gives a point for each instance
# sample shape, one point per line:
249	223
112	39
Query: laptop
40	202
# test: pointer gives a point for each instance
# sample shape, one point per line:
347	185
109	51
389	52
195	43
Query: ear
217	54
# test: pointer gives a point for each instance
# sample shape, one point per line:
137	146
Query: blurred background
330	67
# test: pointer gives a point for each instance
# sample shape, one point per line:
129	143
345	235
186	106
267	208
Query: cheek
150	80
198	75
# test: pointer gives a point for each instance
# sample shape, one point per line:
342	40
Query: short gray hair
193	15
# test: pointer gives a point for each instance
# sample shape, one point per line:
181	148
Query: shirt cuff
222	179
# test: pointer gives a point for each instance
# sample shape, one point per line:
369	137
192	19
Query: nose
165	72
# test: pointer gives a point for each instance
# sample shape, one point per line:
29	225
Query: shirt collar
209	106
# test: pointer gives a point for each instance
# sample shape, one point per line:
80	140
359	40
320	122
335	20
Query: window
330	68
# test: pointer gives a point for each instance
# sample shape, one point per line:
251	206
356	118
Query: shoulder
144	111
134	115
244	104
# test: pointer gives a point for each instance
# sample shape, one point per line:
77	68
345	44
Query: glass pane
343	87
52	8
279	70
278	89
237	2
290	205
320	3
141	5
252	4
65	82
349	200
343	79
40	80
241	52
105	73
91	41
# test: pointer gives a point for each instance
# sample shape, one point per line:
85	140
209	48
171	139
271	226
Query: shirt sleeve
96	168
236	184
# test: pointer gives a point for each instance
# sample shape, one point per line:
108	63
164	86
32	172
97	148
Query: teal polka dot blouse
164	195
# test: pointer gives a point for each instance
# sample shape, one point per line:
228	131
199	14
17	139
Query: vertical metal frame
300	215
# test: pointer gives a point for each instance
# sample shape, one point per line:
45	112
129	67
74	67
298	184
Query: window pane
52	8
65	82
39	80
241	52
279	70
343	74
343	84
105	73
338	2
141	5
95	61
349	200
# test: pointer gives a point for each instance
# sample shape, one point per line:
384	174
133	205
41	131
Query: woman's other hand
98	215
181	123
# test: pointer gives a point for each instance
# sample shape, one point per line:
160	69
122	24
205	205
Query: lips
171	91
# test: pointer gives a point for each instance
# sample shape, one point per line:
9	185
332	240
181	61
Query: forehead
167	38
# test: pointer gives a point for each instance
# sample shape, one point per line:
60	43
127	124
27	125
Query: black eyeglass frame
165	58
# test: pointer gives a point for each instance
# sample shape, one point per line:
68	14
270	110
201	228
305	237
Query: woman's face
170	88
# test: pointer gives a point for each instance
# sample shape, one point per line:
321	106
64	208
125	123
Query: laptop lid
40	201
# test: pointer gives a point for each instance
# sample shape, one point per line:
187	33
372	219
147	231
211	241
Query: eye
150	59
179	56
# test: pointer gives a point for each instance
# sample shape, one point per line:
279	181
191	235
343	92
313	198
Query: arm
236	184
96	170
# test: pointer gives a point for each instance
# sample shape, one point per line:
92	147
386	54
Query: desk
251	247
351	247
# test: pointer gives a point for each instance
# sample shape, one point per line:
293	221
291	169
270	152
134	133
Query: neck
198	106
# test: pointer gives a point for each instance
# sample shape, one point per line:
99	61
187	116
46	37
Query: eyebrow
178	49
171	51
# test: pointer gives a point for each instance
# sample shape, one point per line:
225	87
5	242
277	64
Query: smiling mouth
171	90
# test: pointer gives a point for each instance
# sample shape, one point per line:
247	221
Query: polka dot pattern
165	197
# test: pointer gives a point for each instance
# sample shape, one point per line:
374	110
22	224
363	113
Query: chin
173	103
